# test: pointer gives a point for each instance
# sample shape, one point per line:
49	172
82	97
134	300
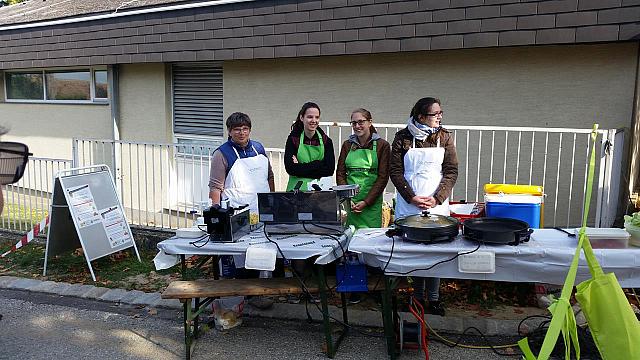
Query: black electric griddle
496	230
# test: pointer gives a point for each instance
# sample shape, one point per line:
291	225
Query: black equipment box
227	225
315	207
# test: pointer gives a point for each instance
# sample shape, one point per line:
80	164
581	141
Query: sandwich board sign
86	212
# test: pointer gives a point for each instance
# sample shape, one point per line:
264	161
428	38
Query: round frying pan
496	230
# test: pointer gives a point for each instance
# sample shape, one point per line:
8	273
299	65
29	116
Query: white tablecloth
294	247
545	258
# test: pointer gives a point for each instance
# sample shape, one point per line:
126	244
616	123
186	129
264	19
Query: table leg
345	318
321	280
216	270
183	264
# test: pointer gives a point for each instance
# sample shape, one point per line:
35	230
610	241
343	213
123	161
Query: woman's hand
358	207
295	159
431	201
421	202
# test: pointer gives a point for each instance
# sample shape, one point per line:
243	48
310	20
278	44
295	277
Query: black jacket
315	169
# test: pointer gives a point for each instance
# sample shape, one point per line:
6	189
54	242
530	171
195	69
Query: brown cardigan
402	142
384	153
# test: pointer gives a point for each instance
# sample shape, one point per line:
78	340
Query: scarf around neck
420	131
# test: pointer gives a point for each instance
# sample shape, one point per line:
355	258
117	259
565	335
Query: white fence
555	158
164	185
28	201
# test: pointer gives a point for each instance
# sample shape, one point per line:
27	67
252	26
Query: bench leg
196	319
187	328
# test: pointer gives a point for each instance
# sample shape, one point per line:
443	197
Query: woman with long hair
424	169
308	153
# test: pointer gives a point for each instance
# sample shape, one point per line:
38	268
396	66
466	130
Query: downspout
113	84
634	167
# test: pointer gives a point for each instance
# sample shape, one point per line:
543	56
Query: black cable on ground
536	338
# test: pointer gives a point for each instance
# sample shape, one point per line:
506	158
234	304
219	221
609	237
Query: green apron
306	154
362	169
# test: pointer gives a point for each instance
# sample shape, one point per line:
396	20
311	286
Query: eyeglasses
359	122
441	113
13	161
241	130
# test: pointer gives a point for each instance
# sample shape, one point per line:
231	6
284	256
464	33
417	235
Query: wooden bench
208	290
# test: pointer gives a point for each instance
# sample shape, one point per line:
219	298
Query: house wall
145	103
544	86
48	129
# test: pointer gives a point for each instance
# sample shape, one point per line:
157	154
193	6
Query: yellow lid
513	189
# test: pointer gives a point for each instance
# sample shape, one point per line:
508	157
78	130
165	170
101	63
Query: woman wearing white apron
424	169
240	170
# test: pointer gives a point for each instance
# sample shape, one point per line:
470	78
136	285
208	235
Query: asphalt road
41	326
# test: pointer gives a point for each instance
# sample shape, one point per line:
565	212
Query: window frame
92	85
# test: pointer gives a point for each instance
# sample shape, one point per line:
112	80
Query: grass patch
119	270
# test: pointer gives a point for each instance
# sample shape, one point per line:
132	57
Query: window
68	85
24	86
74	86
100	80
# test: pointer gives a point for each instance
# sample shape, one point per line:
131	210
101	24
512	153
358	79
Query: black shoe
435	308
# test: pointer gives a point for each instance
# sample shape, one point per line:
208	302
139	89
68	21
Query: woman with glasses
308	153
424	169
364	160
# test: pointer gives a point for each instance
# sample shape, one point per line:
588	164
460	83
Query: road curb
456	322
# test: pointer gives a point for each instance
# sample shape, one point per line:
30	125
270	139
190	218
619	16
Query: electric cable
307	293
393	244
434	265
536	338
457	343
343	256
200	243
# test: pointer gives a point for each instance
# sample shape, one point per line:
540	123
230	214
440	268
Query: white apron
423	172
246	178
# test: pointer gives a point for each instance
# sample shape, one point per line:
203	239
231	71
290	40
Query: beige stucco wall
48	129
550	86
144	114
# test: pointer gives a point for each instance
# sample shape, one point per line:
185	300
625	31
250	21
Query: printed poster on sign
115	226
84	206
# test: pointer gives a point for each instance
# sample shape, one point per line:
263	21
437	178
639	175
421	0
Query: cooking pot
496	230
346	191
426	228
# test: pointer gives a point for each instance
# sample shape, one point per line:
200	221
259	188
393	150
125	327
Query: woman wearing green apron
308	157
364	160
308	153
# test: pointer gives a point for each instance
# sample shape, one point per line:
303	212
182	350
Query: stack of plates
190	233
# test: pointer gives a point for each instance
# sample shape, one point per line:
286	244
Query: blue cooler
514	206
